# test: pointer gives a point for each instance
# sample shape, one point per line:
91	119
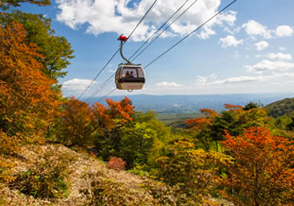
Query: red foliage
116	163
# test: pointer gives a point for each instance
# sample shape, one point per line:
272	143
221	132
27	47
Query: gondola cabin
129	77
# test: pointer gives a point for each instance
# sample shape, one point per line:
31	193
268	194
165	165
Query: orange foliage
116	113
233	107
201	123
26	101
198	123
209	113
121	109
263	171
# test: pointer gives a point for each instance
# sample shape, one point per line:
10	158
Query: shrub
116	163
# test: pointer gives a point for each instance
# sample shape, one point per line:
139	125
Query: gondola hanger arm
122	40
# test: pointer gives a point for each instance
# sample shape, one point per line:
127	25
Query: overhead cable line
168	26
117	50
190	34
106	95
98	74
159	29
100	88
226	7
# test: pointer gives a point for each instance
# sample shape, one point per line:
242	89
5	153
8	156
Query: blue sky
248	49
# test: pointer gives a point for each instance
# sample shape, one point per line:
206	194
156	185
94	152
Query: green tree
142	142
252	105
290	125
5	4
136	141
56	50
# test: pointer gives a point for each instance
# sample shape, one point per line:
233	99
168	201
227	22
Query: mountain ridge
193	103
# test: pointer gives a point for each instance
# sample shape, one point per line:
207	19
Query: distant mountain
193	103
281	107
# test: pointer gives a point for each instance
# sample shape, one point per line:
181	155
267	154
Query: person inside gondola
132	74
127	74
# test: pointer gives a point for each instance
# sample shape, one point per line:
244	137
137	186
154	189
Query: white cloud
100	16
253	28
261	45
228	30
284	30
279	56
229	18
77	84
240	79
168	85
266	65
230	41
251	79
282	48
206	33
203	79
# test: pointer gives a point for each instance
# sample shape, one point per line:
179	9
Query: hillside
281	107
88	179
83	170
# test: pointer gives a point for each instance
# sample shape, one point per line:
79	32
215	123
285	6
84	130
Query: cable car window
140	73
129	73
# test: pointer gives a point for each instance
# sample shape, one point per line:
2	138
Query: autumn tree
74	124
262	172
108	121
27	104
56	51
